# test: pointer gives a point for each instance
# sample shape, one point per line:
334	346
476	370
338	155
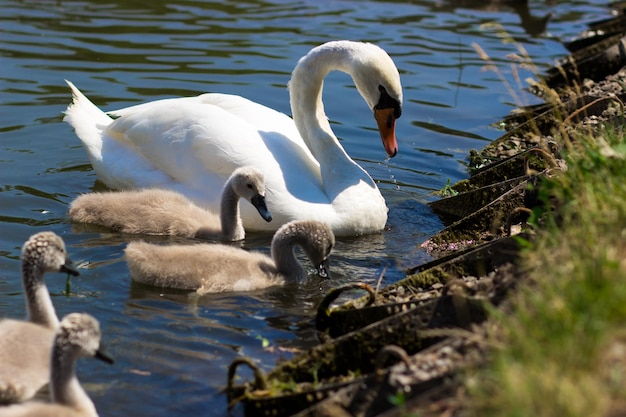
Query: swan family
181	167
193	144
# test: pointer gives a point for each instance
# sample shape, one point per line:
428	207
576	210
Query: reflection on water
534	25
172	348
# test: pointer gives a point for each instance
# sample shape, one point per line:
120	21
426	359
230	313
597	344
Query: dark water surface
172	349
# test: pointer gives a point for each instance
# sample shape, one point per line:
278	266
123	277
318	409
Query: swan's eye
387	102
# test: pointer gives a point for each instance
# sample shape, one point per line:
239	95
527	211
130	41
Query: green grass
561	351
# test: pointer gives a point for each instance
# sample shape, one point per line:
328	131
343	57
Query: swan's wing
277	130
200	141
176	134
260	117
263	118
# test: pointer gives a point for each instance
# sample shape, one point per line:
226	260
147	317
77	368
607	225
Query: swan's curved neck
65	388
305	91
232	228
283	254
38	303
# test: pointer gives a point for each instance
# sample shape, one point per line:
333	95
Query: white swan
78	336
25	345
213	268
193	144
156	211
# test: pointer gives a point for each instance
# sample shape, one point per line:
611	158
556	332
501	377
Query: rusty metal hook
323	309
260	382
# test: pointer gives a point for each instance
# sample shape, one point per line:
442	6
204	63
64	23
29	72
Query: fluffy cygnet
213	268
163	212
25	345
78	336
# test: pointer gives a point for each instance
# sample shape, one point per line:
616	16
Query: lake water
172	349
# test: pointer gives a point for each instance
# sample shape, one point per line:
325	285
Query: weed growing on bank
561	351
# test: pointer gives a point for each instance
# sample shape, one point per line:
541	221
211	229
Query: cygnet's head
249	183
46	252
79	335
315	238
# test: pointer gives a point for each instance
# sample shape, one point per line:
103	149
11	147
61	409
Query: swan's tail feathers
88	122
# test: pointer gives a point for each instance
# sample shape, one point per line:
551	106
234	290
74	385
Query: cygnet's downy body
213	268
156	211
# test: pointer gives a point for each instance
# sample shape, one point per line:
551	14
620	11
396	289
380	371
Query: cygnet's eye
249	185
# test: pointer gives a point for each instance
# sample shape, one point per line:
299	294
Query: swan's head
377	79
374	74
249	183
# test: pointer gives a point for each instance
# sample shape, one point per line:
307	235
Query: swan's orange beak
387	128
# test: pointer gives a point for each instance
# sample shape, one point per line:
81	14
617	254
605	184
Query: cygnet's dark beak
104	357
69	268
258	201
322	269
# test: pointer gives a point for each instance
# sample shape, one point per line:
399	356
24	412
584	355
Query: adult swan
193	144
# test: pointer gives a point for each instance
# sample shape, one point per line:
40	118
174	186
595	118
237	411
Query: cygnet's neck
65	388
232	228
38	303
284	256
